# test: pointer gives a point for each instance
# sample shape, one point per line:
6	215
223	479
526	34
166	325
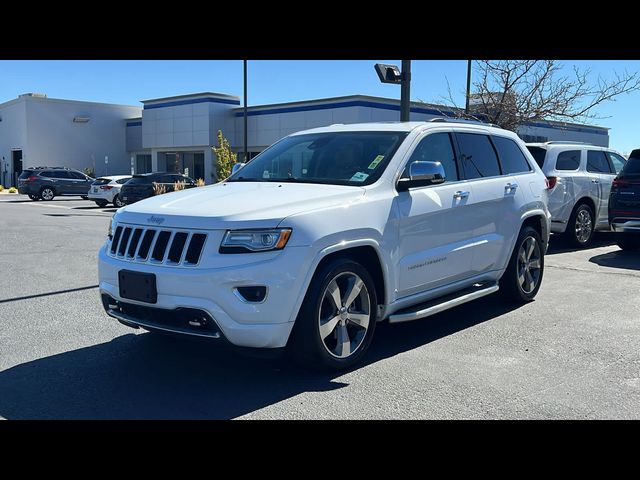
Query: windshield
338	158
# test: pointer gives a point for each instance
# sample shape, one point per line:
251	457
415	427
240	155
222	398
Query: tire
35	198
308	345
101	203
84	197
515	285
117	202
47	193
580	228
628	242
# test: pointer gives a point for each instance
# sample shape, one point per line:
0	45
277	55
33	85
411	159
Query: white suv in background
580	177
329	231
106	190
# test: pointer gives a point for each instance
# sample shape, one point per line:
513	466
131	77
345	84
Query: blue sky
273	81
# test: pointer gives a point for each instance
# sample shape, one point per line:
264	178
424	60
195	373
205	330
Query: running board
442	304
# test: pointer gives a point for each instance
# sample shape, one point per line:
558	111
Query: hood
236	204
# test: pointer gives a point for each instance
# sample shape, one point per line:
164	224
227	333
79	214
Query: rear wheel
337	320
34	197
47	193
523	277
101	203
117	201
628	242
581	226
84	197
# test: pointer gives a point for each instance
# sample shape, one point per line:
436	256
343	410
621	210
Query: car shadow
557	244
627	260
149	376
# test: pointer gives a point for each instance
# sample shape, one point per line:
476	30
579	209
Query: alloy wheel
529	264
583	226
344	315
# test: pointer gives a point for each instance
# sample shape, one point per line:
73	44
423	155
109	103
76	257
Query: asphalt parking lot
572	354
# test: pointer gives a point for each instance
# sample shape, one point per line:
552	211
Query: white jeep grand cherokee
329	231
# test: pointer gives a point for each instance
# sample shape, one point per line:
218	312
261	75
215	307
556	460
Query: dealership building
176	133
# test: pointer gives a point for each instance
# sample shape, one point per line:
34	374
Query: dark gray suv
44	183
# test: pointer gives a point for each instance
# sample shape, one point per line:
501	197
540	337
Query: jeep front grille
157	245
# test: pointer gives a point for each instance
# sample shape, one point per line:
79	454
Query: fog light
251	294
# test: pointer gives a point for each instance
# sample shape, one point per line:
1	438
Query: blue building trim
134	124
571	128
353	103
191	101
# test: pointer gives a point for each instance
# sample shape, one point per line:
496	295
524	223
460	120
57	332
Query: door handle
510	187
594	180
460	195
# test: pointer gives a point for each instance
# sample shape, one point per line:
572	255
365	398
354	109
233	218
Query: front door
601	175
16	158
435	223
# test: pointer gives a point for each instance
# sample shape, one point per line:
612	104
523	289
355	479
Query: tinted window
142	179
597	162
76	175
632	167
25	174
478	156
511	157
436	148
617	161
59	174
166	179
339	158
101	181
568	160
539	154
122	181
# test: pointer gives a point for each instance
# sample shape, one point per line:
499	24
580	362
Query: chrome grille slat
130	239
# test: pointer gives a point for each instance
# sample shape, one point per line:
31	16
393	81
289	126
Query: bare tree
512	92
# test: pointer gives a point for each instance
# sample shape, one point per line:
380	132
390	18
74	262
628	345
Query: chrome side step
448	302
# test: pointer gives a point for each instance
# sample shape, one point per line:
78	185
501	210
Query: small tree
225	158
510	93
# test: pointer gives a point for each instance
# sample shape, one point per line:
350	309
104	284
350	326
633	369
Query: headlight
246	241
110	232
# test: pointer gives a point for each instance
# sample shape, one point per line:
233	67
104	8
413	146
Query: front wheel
523	277
337	320
117	201
101	203
581	226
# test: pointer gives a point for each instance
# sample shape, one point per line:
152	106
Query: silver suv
580	177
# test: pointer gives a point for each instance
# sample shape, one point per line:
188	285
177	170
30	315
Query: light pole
246	155
466	106
392	74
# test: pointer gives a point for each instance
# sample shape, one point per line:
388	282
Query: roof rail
463	120
43	167
566	142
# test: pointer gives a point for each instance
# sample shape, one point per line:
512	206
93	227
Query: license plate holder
138	286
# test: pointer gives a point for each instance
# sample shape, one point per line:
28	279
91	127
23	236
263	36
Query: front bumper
213	290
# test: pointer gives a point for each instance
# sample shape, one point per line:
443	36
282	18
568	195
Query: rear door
493	203
601	174
61	182
79	182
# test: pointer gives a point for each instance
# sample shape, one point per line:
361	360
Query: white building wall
13	136
56	140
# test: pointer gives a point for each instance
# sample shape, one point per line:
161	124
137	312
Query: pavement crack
562	267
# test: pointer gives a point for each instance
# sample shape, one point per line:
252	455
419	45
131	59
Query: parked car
45	183
105	190
145	185
329	231
580	177
624	204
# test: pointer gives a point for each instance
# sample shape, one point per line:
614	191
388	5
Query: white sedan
106	190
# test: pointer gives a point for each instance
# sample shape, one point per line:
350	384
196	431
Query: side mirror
422	174
236	167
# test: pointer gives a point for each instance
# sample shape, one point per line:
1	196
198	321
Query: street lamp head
388	73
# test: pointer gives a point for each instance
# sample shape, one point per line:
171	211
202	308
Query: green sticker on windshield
359	177
375	162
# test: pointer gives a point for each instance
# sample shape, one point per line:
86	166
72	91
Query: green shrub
1	187
13	190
